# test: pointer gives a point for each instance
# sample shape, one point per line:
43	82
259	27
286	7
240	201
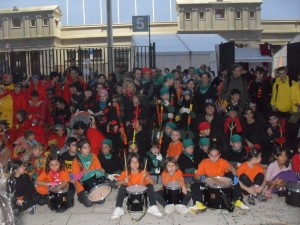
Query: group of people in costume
186	130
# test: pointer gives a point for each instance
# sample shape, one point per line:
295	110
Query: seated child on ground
172	173
252	177
135	175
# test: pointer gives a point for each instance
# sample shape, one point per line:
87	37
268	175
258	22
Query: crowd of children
144	126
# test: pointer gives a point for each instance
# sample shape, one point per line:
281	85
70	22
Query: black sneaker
251	200
16	212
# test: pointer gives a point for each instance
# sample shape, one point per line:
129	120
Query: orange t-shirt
177	176
136	178
250	172
77	168
175	150
206	167
63	176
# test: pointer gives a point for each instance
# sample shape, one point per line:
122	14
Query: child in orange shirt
212	167
55	177
176	146
252	178
172	173
135	176
85	165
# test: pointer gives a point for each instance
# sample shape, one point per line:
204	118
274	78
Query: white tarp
250	55
181	49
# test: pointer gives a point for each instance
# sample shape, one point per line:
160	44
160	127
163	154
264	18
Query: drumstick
144	170
125	161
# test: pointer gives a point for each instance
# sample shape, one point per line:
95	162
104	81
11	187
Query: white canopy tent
181	49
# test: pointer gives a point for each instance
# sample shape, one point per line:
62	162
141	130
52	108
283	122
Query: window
187	16
16	23
238	15
45	22
252	15
56	23
32	23
201	15
220	13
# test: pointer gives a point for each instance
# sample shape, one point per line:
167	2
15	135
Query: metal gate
89	60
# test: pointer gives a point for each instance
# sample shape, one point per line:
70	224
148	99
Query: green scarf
153	159
108	156
190	156
203	89
86	160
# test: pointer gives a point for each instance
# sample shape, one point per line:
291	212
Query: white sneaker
169	208
154	210
182	209
117	213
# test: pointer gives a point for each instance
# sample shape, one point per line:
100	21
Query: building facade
39	28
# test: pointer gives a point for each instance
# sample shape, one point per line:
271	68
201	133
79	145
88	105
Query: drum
292	196
173	193
58	200
137	198
218	193
97	189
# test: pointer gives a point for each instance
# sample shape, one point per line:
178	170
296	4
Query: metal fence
89	60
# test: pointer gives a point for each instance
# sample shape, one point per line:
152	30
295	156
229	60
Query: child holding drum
88	173
174	194
251	177
135	177
218	171
279	173
55	182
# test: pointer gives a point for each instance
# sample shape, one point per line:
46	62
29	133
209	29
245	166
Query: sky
271	9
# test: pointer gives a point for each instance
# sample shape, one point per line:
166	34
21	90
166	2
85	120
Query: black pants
198	190
71	193
28	202
122	193
258	180
161	200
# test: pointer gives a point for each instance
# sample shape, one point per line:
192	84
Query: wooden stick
172	103
144	171
125	161
145	165
135	125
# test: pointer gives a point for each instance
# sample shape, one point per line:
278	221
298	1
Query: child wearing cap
175	147
204	144
109	159
235	153
185	114
203	131
156	162
168	109
188	160
166	137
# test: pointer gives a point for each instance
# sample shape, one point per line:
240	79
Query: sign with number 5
140	23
